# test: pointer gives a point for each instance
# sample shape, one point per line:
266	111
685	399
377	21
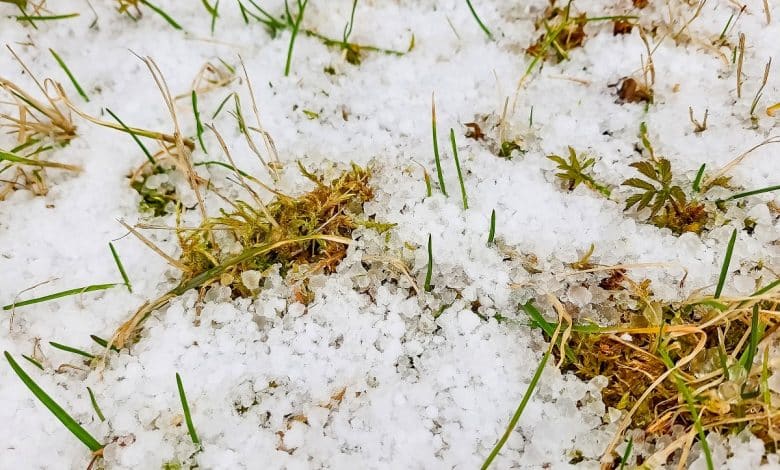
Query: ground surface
369	374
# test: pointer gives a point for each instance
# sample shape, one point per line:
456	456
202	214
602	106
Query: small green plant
575	172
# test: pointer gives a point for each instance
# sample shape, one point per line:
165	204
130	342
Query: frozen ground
370	374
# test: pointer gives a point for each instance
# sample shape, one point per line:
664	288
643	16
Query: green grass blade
120	267
686	393
221	105
753	192
162	13
135	137
71	424
756	331
699	175
295	27
724	270
627	453
213	12
198	124
348	26
57	295
436	148
186	407
479	21
95	406
103	342
429	272
516	417
70	349
11	157
32	361
46	17
463	195
492	232
69	74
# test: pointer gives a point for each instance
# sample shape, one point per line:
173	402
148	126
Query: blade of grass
295	27
46	17
213	12
103	342
753	192
627	453
162	13
10	157
436	148
479	21
699	175
71	349
724	270
520	408
120	267
186	407
429	272
688	396
95	406
463	195
492	232
57	295
33	361
348	26
135	137
756	331
221	105
198	124
71	424
69	74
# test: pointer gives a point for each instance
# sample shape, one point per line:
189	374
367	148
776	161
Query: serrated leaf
647	169
639	183
645	200
632	200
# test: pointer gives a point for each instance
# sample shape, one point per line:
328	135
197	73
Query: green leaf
71	424
639	183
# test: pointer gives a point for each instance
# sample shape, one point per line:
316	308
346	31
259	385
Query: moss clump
328	211
153	184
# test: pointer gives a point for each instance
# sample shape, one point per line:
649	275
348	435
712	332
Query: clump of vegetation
153	183
697	364
562	33
352	52
575	172
305	233
132	9
38	127
639	90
